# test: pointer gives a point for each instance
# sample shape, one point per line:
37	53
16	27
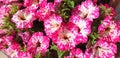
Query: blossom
57	2
2	31
12	50
109	30
5	9
25	36
102	49
84	26
45	11
86	10
38	43
24	18
66	36
26	54
5	41
8	1
32	9
76	53
52	24
34	2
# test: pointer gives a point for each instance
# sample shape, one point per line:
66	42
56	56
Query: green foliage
60	53
118	47
65	9
106	11
7	24
13	9
71	4
47	54
38	55
23	48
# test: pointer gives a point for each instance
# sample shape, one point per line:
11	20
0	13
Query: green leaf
23	48
14	9
118	47
38	55
53	47
71	4
59	52
47	54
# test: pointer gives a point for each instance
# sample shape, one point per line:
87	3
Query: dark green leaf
71	4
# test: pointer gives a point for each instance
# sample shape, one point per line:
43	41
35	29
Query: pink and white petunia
5	41
26	54
38	43
45	11
84	26
109	30
76	53
8	1
87	9
57	2
52	24
12	50
102	49
24	18
67	36
25	36
34	2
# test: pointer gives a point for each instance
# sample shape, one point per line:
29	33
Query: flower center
79	30
107	29
97	47
85	16
21	17
38	44
56	25
65	37
74	57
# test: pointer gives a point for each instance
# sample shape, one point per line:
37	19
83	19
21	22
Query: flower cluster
37	28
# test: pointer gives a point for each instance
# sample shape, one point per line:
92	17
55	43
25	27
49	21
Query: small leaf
71	4
14	9
47	54
38	55
60	53
23	48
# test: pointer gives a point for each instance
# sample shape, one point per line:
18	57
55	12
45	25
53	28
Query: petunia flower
102	49
34	2
87	9
25	36
26	54
38	43
76	53
24	18
66	36
52	23
45	11
57	2
8	1
109	30
12	50
5	41
84	26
